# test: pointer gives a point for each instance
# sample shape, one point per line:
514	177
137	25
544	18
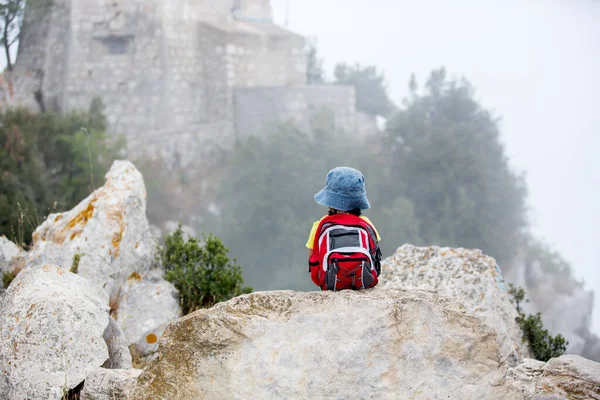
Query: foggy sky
535	63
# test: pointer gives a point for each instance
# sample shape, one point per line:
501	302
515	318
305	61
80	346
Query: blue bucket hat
344	190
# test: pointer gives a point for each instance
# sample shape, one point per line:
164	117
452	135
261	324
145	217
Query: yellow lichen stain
135	277
83	217
117	236
58	218
151	338
29	313
46	268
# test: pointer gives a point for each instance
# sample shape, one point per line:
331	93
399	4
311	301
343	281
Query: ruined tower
175	75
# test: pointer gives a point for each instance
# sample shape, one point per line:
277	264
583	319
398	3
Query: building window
116	45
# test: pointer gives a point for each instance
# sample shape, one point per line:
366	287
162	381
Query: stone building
176	76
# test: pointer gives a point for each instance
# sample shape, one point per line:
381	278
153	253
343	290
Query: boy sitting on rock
344	245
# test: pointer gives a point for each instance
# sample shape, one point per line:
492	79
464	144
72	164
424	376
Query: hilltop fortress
175	76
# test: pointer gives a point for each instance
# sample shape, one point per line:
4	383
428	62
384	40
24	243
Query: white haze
536	63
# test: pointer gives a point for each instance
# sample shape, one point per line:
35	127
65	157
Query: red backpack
345	255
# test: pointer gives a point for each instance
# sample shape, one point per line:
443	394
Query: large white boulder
145	306
51	326
118	347
467	276
109	384
568	377
108	232
8	250
524	377
374	344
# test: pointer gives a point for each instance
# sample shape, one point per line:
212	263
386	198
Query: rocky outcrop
109	384
51	333
105	238
523	378
118	348
145	306
8	250
374	344
565	305
568	377
467	276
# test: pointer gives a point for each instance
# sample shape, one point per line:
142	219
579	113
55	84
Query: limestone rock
51	333
565	305
109	384
568	377
8	250
145	350
524	376
108	230
467	276
374	344
145	306
118	348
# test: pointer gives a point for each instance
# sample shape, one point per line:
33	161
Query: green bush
543	345
203	274
7	278
75	265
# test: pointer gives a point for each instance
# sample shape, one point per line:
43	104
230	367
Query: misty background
535	63
532	64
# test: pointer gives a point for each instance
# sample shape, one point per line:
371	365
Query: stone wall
188	148
117	53
168	71
158	65
261	55
259	110
43	50
252	10
18	90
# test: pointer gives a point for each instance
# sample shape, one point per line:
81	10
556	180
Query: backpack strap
376	252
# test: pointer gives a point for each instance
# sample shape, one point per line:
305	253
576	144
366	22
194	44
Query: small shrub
75	265
543	345
7	278
204	275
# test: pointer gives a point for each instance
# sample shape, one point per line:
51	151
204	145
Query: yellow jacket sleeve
311	237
